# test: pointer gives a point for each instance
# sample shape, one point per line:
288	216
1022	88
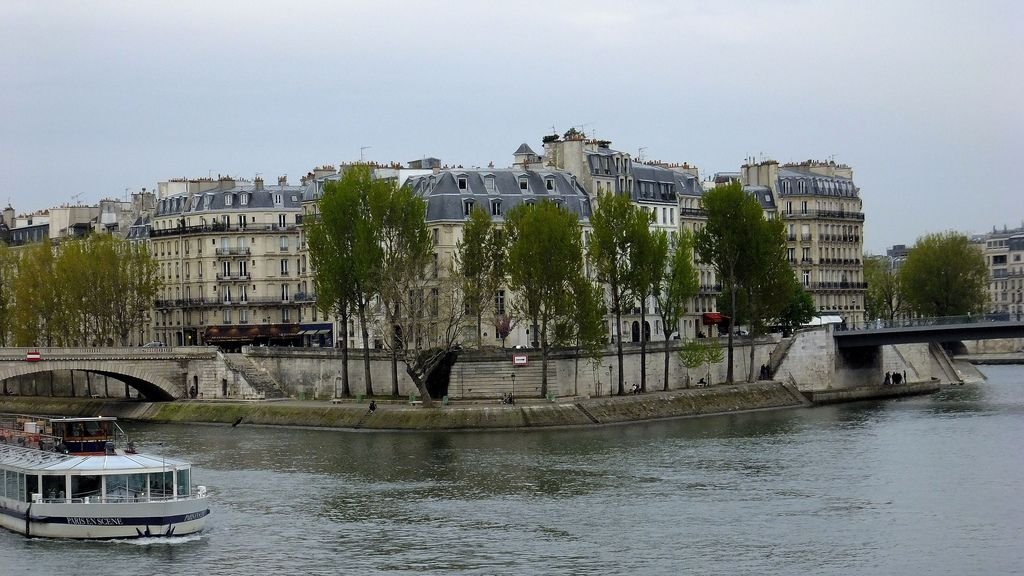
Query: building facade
227	252
1004	256
822	211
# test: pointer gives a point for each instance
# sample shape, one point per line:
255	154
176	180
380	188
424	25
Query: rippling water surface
920	486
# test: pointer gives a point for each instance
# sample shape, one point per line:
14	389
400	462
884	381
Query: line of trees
374	259
92	291
943	275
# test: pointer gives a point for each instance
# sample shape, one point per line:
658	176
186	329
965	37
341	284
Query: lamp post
513	375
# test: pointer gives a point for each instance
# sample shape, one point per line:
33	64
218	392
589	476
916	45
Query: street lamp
513	398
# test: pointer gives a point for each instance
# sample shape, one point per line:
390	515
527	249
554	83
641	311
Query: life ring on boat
33	438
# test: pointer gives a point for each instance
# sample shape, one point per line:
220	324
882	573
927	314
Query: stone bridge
938	330
158	374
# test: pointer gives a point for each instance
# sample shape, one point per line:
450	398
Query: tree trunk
543	361
750	376
618	340
668	336
643	344
72	383
367	381
394	372
732	319
88	385
345	389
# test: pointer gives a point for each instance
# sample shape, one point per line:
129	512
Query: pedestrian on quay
888	380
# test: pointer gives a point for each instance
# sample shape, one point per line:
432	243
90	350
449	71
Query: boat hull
105	520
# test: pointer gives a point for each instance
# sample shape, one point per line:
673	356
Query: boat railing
38	441
196	494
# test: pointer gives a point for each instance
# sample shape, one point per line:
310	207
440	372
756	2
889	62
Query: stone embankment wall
314	373
400	416
1000	346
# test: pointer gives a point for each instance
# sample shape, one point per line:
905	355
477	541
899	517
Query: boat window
31	486
182	484
11	484
53	487
83	486
137	485
161	485
117	487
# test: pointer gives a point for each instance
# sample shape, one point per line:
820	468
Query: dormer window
207	200
495	207
243	199
467	207
489	182
524	183
463	182
228	199
549	183
278	200
195	202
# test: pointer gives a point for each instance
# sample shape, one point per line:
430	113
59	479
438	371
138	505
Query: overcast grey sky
922	98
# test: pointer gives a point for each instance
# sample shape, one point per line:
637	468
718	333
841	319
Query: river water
929	485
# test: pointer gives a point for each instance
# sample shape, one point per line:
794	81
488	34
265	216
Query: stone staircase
779	354
259	379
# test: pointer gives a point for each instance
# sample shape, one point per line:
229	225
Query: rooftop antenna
361	150
77	199
640	153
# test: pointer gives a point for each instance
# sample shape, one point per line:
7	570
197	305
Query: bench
415	403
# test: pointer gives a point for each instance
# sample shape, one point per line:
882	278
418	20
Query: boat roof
39	461
85	419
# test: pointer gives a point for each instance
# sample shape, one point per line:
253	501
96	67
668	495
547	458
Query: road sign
519	360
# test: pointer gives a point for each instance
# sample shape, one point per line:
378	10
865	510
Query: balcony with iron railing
219	228
710	289
824	214
839	286
231	277
233	251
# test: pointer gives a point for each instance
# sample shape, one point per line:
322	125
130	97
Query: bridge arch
151	385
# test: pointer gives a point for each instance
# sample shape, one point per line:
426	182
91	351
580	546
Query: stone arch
152	386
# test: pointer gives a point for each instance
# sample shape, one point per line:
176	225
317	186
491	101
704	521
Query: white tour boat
81	478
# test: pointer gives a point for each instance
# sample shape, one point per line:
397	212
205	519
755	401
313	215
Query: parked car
153	344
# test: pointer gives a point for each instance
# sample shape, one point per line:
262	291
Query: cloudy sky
922	98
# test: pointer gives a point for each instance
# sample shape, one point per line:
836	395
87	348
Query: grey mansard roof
214	201
659	184
764	196
447	201
791	177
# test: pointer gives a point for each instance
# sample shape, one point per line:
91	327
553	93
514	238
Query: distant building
1004	255
822	211
227	253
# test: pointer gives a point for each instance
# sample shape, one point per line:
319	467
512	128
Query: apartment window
672	216
524	183
467	207
226	294
549	183
206	201
243	199
803	207
227	316
284	292
284	267
278	200
791	254
489	183
284	243
243	293
805	254
499	302
463	183
241	221
225	268
286	315
228	199
243	316
436	232
495	207
435	265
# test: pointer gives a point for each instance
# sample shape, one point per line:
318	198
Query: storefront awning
711	318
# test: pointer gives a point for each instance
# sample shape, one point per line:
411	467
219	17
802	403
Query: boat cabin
89	435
